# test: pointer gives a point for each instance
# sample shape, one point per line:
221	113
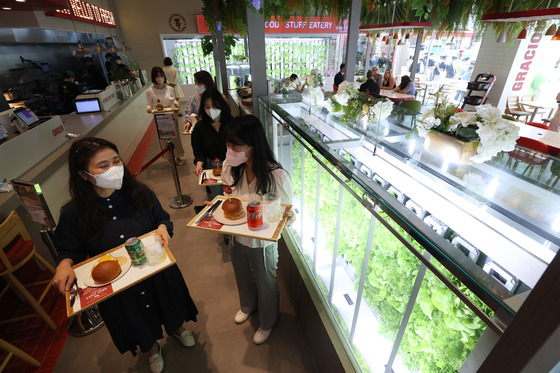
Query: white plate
86	275
219	216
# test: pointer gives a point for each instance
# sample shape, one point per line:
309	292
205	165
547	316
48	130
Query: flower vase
313	96
450	148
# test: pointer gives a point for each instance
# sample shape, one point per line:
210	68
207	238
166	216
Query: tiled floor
33	335
222	346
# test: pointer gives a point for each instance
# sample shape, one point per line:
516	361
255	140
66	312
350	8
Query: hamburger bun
106	271
233	208
217	171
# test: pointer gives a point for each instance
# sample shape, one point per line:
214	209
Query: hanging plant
230	42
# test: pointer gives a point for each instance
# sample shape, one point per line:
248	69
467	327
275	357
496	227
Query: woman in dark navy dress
109	206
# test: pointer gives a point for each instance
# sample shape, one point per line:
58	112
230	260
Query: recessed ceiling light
20	1
6	8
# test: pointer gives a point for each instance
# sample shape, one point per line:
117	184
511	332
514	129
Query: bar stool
16	249
14	351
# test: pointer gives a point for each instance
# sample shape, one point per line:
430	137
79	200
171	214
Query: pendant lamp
551	30
522	35
557	35
407	36
378	34
384	38
124	48
388	41
396	36
100	48
81	51
502	38
400	42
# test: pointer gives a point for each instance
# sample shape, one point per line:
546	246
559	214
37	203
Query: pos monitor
87	105
27	117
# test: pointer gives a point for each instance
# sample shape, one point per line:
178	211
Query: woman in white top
251	170
172	75
160	95
203	81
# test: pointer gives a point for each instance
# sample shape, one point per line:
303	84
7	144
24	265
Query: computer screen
27	116
45	67
87	105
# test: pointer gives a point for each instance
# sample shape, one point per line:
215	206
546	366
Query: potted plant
312	83
462	137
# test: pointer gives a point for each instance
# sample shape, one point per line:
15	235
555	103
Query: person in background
406	86
108	206
339	77
203	81
68	91
90	76
290	79
109	64
441	68
388	80
172	75
120	66
159	96
555	121
370	85
378	78
450	68
207	141
251	171
432	67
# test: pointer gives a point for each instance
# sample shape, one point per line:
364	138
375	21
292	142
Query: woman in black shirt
209	146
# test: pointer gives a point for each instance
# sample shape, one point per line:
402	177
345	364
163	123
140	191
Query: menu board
165	124
31	197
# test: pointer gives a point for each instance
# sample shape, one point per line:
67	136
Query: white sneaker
186	338
261	336
156	361
241	317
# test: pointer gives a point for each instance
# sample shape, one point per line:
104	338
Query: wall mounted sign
177	22
293	25
85	12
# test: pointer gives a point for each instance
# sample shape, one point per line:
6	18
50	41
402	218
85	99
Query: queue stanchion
166	129
181	200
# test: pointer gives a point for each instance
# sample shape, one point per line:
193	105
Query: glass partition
414	256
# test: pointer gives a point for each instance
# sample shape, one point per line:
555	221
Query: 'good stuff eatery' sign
293	25
85	12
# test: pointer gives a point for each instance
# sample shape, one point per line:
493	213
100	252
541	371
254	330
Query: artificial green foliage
285	57
189	58
230	43
442	330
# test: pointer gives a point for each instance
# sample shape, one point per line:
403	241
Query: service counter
40	155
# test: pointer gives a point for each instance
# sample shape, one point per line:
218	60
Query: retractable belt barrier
149	163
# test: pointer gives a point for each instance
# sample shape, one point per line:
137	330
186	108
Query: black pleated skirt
134	317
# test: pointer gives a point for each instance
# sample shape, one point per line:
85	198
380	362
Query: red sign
92	295
526	64
58	130
294	25
85	12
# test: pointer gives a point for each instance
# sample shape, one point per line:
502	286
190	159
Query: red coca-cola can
254	215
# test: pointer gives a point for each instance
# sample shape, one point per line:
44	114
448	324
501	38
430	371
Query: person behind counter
370	85
388	80
208	144
202	81
172	75
107	207
406	86
68	91
160	96
339	77
109	65
120	66
251	171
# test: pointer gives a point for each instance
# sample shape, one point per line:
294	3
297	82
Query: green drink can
135	250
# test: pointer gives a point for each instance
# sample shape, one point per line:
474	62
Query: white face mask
237	158
199	89
159	80
110	179
213	113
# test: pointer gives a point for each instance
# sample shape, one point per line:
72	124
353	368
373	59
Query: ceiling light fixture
557	35
522	35
502	38
6	8
551	30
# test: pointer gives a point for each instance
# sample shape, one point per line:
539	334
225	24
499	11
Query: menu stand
32	199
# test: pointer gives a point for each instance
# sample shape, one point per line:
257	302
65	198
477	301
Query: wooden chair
529	152
552	113
526	98
16	249
513	108
539	125
14	351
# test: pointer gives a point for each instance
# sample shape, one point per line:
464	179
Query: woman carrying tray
108	206
251	171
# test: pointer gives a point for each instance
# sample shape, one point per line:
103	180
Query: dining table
550	138
539	106
395	96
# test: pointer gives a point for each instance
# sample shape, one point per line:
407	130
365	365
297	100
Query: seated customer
406	86
378	78
388	80
339	77
370	85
